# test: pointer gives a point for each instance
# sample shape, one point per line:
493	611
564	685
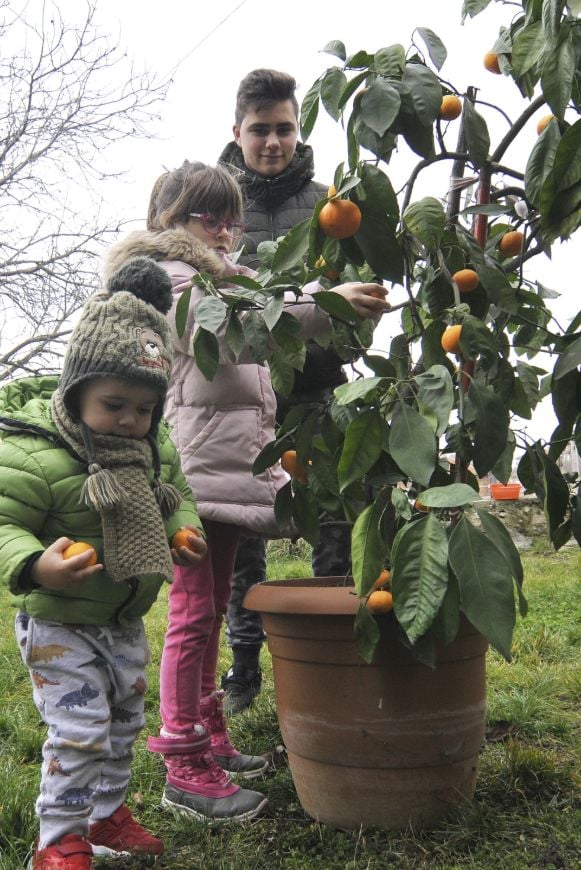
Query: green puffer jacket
40	487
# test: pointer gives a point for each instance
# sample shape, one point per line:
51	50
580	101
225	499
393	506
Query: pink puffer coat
218	426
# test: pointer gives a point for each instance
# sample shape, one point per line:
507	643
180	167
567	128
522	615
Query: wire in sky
207	36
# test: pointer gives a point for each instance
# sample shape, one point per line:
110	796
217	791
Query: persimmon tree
67	94
426	419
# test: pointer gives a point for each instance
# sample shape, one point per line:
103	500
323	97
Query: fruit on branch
340	218
380	601
491	62
511	243
451	339
467	280
544	122
292	466
450	108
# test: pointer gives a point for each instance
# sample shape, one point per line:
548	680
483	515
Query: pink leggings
198	599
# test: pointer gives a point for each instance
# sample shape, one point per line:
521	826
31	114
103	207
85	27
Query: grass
526	809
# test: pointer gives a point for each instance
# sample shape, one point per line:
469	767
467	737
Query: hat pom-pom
168	498
101	491
143	277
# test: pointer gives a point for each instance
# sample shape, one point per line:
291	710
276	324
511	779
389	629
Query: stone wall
524	518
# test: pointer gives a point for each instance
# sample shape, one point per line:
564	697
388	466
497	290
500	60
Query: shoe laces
202	767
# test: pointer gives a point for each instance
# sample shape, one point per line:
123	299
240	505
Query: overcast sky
210	47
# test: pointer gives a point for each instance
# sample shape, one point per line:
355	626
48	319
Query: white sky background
210	47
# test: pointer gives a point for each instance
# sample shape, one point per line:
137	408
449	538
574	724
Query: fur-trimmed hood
175	244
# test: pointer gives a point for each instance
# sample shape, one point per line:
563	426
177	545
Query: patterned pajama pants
88	686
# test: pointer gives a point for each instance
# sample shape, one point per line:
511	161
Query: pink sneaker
197	786
121	836
245	766
71	852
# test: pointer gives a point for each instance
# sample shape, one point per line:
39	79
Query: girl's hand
368	300
193	553
55	572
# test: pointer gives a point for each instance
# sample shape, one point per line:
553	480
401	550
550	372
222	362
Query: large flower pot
392	743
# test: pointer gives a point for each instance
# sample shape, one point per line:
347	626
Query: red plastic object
505	492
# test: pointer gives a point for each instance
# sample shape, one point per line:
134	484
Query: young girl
93	463
219	427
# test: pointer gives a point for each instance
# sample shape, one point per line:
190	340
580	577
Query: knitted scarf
134	537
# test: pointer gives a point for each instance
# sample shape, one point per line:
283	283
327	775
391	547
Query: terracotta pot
505	492
390	744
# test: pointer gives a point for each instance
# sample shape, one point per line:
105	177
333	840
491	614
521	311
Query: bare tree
66	95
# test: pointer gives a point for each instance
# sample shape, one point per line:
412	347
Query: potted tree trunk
435	579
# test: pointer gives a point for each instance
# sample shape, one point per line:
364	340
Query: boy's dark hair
261	89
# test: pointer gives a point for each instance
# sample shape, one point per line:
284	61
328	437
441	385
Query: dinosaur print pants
88	686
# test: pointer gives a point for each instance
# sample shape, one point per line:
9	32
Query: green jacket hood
25	405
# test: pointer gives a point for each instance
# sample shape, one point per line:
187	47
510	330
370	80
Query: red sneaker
71	852
121	835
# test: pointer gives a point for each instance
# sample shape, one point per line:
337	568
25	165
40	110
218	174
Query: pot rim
315	596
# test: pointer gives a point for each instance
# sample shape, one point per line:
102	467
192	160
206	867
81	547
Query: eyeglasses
213	226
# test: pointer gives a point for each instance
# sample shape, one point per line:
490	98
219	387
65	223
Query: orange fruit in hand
450	108
340	218
181	538
382	579
80	547
292	466
451	339
380	601
467	280
491	62
511	244
544	122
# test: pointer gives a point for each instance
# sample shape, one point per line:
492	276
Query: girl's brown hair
194	187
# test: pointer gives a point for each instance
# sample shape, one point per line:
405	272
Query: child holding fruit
219	427
92	494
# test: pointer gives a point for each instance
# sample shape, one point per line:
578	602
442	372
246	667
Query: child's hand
193	553
56	572
368	300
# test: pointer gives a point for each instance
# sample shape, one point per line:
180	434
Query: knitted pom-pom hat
122	332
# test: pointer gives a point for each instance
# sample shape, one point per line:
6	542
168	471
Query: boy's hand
55	572
368	300
193	553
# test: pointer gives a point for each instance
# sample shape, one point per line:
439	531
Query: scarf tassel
101	491
168	498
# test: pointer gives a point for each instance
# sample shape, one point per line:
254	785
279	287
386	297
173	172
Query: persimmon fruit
292	466
490	61
511	243
80	547
451	339
340	218
467	280
450	108
380	601
181	538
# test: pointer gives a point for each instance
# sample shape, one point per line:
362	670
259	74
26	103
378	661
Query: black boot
243	681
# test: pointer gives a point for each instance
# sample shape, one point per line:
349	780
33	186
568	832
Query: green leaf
332	85
502	539
423	84
426	220
306	513
454	495
281	373
527	48
474	7
206	353
435	46
368	547
335	305
419	574
569	360
379	192
499	289
401	503
380	106
336	48
540	162
477	136
555	493
293	247
412	444
485	582
447	622
357	390
491	427
235	334
366	633
390	61
283	507
567	162
309	110
361	448
378	241
436	391
272	311
256	334
182	309
210	313
558	74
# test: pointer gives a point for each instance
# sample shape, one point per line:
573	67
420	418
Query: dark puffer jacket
272	207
